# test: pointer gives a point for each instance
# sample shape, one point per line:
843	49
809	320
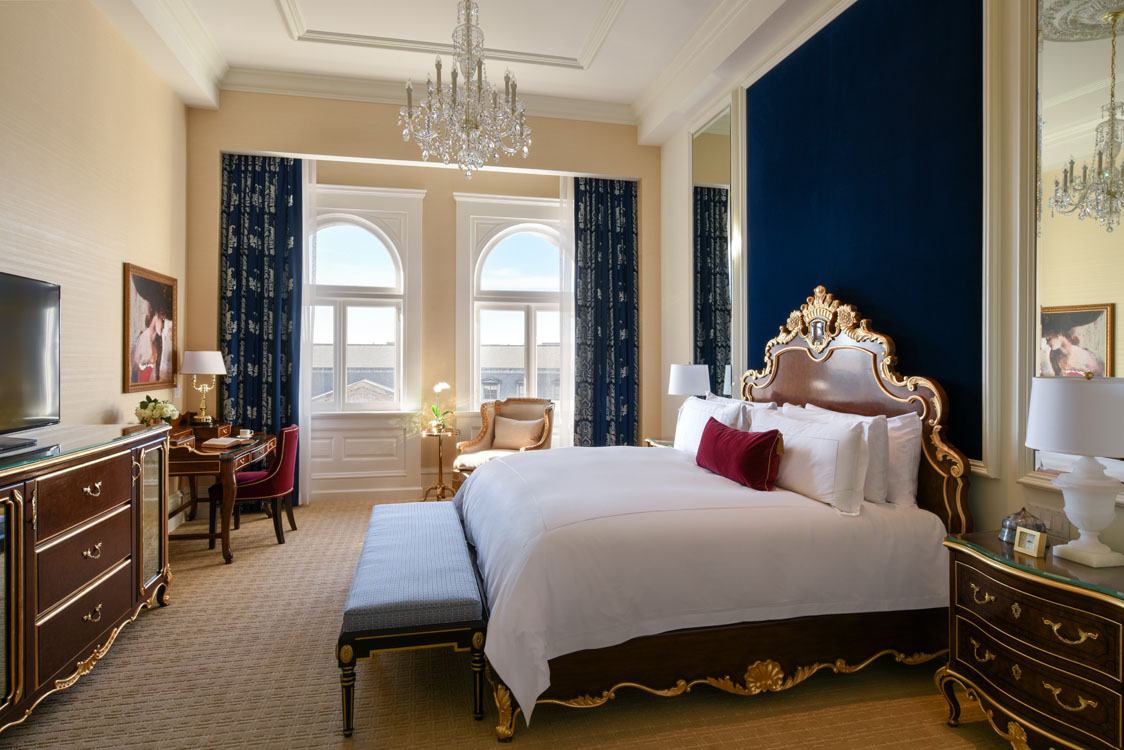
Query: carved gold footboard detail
761	677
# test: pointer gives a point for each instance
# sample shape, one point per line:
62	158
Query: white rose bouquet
152	411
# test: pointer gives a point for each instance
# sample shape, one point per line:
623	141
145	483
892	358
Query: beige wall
92	145
1080	263
327	127
710	159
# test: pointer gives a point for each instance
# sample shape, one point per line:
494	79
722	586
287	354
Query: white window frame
483	221
395	218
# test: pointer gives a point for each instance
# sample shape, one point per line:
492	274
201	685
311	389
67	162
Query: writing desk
188	461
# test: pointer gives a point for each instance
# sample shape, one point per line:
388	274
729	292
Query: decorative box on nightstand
1038	642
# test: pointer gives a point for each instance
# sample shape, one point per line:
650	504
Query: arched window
518	334
357	311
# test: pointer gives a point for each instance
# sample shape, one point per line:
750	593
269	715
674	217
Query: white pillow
792	411
905	457
820	459
746	409
693	416
877	435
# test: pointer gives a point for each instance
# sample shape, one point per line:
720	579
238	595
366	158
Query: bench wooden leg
478	675
347	685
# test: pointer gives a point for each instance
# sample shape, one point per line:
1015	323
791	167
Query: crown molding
507	200
172	39
1094	87
299	31
393	92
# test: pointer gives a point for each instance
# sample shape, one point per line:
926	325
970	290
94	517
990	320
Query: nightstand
1038	642
658	443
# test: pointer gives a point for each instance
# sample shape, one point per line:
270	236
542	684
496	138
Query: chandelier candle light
466	120
1099	192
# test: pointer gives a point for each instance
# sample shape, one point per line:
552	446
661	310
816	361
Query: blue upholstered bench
415	587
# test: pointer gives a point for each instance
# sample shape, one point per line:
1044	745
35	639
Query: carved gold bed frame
825	354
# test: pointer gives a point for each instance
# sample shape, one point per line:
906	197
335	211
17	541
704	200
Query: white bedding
589	547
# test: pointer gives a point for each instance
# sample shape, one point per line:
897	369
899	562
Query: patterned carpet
244	658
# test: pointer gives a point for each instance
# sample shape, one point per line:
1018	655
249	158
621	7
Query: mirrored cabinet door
11	504
152	479
710	166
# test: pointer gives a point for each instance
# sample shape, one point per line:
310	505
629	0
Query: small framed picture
1030	542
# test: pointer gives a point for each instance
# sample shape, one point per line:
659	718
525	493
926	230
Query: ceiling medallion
1076	20
468	123
1098	193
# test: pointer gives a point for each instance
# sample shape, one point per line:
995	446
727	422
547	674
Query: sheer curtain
564	431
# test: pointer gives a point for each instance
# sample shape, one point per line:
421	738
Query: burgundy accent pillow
749	458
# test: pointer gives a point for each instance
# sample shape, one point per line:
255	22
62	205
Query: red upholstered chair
275	485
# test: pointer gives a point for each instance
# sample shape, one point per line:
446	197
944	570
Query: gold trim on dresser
765	676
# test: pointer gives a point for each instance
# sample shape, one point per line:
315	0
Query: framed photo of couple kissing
150	338
1076	340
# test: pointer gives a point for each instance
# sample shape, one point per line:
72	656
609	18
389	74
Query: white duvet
588	547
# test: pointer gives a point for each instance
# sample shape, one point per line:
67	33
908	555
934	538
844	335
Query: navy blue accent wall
864	163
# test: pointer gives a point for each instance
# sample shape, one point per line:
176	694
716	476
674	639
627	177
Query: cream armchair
514	437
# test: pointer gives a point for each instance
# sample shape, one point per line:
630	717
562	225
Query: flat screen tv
29	350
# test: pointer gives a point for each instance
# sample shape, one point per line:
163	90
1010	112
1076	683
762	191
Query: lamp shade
688	380
203	363
1077	416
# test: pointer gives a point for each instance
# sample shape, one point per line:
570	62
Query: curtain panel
260	294
712	284
606	312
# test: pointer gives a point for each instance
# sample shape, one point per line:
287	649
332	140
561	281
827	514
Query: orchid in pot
439	423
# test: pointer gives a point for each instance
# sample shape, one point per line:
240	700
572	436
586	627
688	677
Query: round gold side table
440	490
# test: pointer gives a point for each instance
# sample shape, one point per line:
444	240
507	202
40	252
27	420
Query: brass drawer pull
94	491
987	598
95	616
987	656
1082	636
93	552
1082	703
1016	610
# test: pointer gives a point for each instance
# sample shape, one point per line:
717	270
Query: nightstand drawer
1030	612
66	498
1058	697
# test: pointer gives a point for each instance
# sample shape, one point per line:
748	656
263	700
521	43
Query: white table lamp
688	380
1082	417
203	363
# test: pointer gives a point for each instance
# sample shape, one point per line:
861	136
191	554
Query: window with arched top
518	331
357	316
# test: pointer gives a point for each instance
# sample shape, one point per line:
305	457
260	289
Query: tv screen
29	349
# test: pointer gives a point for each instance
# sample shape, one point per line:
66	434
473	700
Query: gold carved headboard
826	354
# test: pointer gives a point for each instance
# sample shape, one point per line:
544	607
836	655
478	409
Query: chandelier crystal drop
465	120
1098	192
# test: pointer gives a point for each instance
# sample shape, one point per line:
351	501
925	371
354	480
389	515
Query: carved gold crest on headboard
821	319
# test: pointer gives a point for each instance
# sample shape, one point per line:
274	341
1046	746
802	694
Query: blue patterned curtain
260	293
606	312
712	284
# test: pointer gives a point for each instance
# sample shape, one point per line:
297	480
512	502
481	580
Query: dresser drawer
66	498
71	631
1031	613
71	561
1055	695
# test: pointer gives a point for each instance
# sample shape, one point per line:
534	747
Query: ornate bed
827	355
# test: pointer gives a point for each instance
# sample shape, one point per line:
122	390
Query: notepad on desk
225	442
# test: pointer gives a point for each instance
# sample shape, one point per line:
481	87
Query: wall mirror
710	166
1080	248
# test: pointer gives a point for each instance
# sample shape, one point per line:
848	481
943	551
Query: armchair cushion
470	461
513	434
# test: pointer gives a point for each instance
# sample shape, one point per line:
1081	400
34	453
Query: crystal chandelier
467	122
1098	193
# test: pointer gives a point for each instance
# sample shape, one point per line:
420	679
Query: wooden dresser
83	551
1038	642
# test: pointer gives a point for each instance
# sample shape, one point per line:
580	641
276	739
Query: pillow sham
820	459
513	434
749	458
877	435
693	415
905	457
746	408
